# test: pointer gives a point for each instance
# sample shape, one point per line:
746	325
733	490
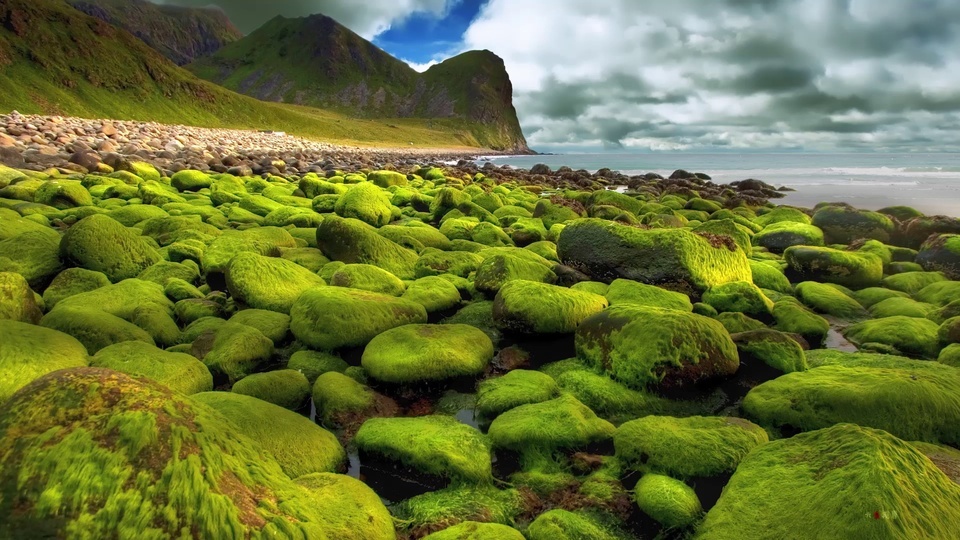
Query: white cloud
370	18
421	67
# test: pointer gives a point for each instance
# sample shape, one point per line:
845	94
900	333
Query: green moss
190	180
353	241
611	400
642	346
941	253
675	258
437	445
30	351
874	295
561	423
313	364
741	297
268	283
518	387
843	224
177	371
736	322
328	318
594	287
338	397
442	508
473	530
369	278
670	502
287	388
842	482
265	241
350	509
121	299
940	293
826	299
912	282
696	446
626	292
538	308
561	524
427	352
434	262
498	269
911	336
275	326
17	301
912	400
366	202
433	293
231	349
950	355
63	194
830	357
822	264
479	315
792	317
775	349
906	307
104	245
779	236
310	258
740	234
32	254
94	328
163	463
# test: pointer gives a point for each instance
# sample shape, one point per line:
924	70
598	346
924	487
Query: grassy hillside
57	60
316	61
179	33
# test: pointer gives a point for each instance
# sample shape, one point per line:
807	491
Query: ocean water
928	182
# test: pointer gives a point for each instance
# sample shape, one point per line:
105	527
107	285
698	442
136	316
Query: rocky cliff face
181	34
316	61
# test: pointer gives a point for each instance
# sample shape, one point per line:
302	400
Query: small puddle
836	341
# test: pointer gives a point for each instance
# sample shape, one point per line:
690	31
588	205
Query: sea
928	182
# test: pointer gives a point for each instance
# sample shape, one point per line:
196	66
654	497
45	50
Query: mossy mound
189	180
439	509
163	465
625	292
94	328
941	254
368	278
433	262
434	293
366	202
337	397
121	299
769	276
529	307
912	400
559	524
940	294
777	237
220	252
437	445
831	357
641	346
874	295
268	282
313	363
63	194
843	224
35	255
104	245
675	258
275	326
905	307
912	282
474	530
736	322
559	424
826	299
353	241
845	481
500	268
230	349
826	265
741	297
950	355
287	388
427	352
518	387
696	446
177	371
299	446
17	301
31	351
909	335
775	349
609	399
350	509
328	318
669	501
72	281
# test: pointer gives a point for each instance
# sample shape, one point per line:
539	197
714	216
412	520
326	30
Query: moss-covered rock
221	251
433	293
328	318
874	295
17	301
950	355
768	276
94	328
675	258
559	524
847	268
625	292
313	363
779	236
163	463
775	349
641	346
31	351
299	446
287	388
366	202
63	194
906	307
339	398
609	399
369	278
190	180
427	352
441	508
518	387
350	509
670	502
122	299
353	241
909	335
231	349
538	308
741	297
177	371
498	269
275	326
558	424
474	530
697	446
826	299
437	445
910	399
842	224
268	283
736	322
433	262
34	255
841	482
941	254
104	245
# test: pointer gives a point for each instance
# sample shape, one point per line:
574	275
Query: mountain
57	60
318	62
181	34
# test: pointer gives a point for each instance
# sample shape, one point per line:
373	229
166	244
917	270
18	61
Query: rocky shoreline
309	341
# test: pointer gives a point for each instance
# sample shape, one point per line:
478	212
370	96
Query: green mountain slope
57	60
316	61
179	33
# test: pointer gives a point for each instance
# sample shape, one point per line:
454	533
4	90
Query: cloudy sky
711	75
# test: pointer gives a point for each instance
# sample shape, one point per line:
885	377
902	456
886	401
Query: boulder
848	268
529	307
177	371
104	245
427	352
286	388
353	241
268	283
30	352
